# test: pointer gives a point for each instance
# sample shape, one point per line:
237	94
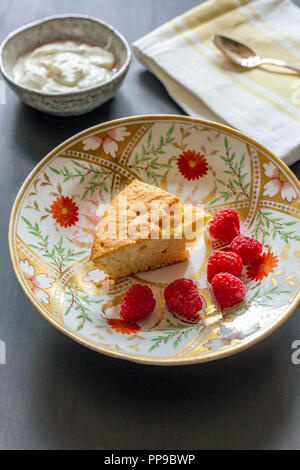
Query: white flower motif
119	133
109	143
37	282
94	275
271	170
276	185
110	146
92	143
239	329
89	219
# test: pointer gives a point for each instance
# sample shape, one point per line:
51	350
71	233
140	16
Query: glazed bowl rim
122	71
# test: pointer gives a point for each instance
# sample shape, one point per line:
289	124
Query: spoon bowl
237	52
244	56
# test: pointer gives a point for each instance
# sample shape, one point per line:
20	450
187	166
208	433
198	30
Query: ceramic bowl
197	160
67	27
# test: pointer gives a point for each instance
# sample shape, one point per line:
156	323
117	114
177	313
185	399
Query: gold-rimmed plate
197	160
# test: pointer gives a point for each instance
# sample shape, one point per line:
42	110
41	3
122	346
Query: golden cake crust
136	192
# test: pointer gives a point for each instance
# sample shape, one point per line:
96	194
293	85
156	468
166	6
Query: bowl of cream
65	65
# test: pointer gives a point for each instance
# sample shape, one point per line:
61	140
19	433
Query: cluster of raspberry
225	266
223	270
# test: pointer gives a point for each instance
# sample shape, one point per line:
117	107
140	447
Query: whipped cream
64	66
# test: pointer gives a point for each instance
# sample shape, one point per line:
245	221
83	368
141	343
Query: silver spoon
244	56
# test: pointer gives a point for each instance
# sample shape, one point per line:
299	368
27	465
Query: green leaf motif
236	185
176	334
146	163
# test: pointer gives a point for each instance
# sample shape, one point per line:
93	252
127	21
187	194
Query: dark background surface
54	393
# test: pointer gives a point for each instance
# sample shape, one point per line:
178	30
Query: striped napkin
264	103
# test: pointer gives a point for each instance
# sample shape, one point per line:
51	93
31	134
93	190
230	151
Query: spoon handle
280	63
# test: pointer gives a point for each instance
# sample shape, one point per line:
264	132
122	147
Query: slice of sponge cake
140	230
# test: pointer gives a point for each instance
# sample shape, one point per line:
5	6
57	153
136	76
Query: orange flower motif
264	265
122	326
64	211
192	165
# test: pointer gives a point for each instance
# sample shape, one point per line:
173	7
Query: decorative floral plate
55	214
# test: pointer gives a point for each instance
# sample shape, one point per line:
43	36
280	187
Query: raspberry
223	261
137	303
248	248
182	297
225	225
228	289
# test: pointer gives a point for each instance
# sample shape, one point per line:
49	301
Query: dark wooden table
54	393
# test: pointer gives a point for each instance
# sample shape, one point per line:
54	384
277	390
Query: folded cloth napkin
264	103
